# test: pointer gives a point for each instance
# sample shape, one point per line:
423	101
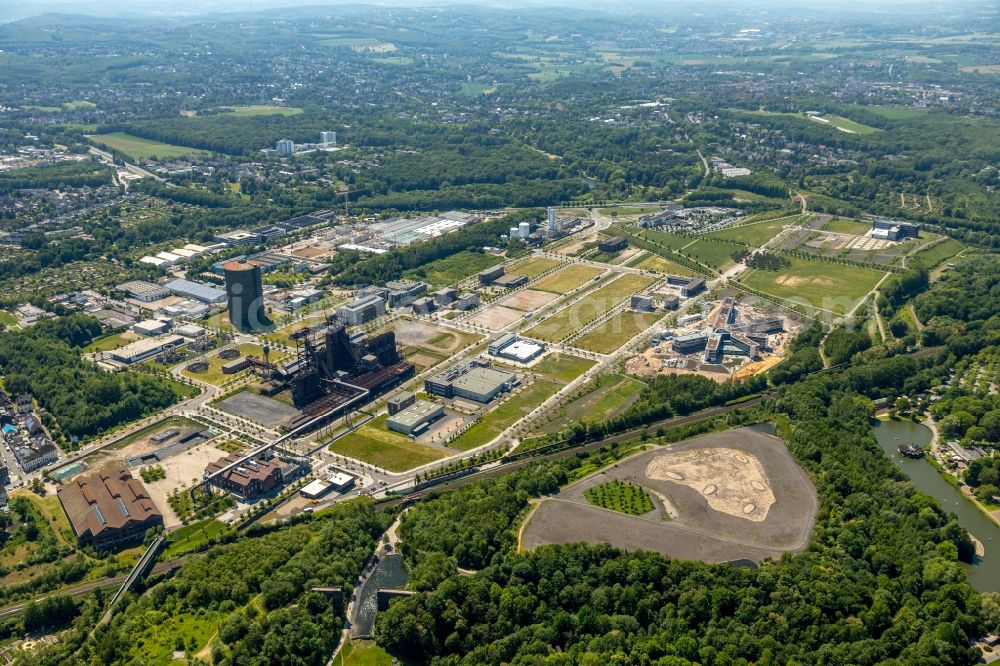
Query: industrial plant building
199	291
245	295
108	508
143	291
250	478
140	350
414	419
335	371
472	381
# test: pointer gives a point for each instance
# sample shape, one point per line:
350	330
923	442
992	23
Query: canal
984	575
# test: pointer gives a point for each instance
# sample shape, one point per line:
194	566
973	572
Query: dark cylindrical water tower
245	294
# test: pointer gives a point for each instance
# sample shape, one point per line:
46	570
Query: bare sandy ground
528	300
183	471
496	317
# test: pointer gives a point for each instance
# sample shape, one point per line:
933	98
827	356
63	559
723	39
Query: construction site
726	339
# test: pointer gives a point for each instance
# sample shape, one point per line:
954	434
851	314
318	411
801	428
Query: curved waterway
389	573
984	575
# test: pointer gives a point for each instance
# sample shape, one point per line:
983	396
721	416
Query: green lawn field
657	263
757	233
845	124
262	110
563	367
107	343
579	314
666	239
534	267
138	148
819	284
508	413
448	271
375	444
7	319
936	254
844	226
567	279
712	253
615	332
610	395
363	653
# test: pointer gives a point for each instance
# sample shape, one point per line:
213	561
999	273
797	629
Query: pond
984	575
389	573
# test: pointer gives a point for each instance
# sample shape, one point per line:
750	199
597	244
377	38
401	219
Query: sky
16	9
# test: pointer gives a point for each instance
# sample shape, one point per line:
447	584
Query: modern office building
414	419
361	310
693	287
489	275
613	244
689	344
445	296
893	230
399	402
642	303
468	301
511	281
244	294
513	348
404	292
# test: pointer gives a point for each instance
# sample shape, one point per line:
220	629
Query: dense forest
256	593
79	400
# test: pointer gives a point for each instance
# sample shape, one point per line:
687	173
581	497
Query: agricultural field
138	148
757	234
375	444
449	270
654	262
822	285
841	225
562	367
508	413
568	279
570	319
621	496
726	496
534	267
616	331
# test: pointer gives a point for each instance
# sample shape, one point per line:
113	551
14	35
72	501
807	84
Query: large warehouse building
108	508
473	382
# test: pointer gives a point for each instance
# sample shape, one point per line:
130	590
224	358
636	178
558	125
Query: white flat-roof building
169	258
143	291
153	261
150	327
140	350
